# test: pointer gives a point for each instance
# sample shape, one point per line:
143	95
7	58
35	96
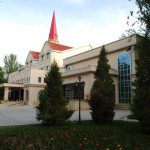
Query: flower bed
73	136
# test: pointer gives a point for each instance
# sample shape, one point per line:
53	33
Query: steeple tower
53	36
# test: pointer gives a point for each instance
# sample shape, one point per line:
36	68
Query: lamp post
80	87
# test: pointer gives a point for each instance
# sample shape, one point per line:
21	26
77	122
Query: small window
48	55
42	57
44	80
27	64
39	79
47	68
31	63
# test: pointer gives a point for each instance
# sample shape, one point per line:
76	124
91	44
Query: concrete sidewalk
23	115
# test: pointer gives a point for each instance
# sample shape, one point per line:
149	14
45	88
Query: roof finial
53	36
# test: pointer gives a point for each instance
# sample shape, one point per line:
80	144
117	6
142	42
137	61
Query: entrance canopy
15	88
11	85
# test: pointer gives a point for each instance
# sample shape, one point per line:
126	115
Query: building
26	83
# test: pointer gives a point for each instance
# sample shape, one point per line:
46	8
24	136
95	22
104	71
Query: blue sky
25	24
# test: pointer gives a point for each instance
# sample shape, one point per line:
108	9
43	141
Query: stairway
122	106
14	103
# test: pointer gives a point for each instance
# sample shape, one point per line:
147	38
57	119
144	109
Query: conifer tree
52	107
102	93
141	99
2	80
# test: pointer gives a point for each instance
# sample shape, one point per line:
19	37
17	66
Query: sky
25	24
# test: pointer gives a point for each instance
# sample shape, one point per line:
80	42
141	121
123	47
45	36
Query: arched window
27	95
124	68
38	96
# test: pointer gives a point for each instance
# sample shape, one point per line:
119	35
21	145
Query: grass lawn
73	136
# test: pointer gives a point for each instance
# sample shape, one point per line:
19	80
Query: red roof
35	54
53	30
59	47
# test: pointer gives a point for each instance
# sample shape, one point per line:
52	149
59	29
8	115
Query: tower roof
53	36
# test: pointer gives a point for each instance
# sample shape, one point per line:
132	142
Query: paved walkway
22	115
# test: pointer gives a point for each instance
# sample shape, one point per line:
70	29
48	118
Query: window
42	58
47	68
44	80
31	63
27	64
48	55
124	67
69	91
39	79
27	95
39	93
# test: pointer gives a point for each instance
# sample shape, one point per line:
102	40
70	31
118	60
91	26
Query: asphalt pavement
25	114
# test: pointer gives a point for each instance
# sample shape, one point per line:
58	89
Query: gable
58	47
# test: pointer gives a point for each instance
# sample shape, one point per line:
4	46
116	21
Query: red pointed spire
53	36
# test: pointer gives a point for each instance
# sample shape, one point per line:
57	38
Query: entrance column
6	92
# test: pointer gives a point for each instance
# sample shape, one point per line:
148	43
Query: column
6	92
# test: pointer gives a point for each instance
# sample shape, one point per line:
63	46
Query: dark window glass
42	58
69	91
124	78
48	55
39	79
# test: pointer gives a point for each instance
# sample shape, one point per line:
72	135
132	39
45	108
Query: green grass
73	136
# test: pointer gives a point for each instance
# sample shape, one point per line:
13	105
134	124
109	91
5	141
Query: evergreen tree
52	107
102	93
2	80
141	100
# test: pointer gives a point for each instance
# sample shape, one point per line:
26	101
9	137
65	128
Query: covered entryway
16	94
12	92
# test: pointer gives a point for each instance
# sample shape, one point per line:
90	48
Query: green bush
102	108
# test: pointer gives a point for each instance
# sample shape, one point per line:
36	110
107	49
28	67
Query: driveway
23	115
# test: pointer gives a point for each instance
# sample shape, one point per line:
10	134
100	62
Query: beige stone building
26	83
